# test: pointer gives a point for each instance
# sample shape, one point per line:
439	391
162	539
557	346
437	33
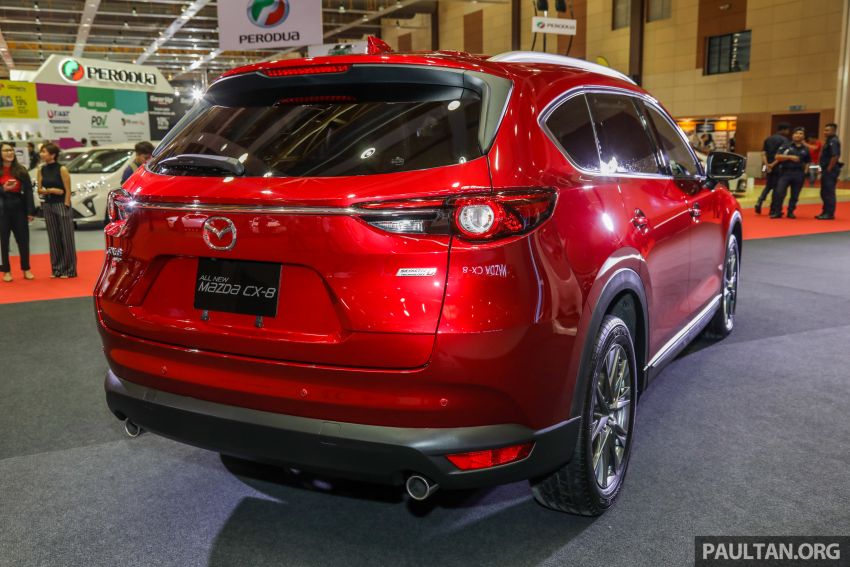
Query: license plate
235	286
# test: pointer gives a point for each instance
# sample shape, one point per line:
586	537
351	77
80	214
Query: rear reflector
313	70
490	457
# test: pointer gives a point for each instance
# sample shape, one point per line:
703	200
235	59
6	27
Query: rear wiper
203	161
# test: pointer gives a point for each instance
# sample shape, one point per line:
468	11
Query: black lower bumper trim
348	450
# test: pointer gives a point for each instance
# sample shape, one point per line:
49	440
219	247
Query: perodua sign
268	24
73	71
97	73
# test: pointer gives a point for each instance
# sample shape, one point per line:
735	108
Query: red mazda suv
429	270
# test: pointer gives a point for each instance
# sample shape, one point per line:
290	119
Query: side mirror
725	166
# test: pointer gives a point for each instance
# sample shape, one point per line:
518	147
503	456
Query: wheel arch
736	228
621	294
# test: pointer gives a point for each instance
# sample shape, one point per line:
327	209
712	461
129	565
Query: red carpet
45	287
760	226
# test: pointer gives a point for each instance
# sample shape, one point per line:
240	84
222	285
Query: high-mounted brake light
312	70
490	457
315	99
118	205
475	218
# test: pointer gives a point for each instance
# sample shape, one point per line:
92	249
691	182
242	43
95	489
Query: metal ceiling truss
178	35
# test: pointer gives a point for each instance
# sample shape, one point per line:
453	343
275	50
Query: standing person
706	143
768	155
830	167
791	160
16	211
815	146
143	154
32	155
54	183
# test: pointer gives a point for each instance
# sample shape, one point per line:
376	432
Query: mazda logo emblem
219	233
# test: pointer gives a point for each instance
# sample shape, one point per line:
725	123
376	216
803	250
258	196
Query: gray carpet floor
748	436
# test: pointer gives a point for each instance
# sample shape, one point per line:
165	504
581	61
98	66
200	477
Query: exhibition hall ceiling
170	34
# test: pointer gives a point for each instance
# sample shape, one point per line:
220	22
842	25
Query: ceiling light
341	9
35	6
134	11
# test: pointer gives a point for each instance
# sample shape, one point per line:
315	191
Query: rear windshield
330	135
99	161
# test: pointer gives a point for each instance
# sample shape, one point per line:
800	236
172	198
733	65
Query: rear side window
328	134
570	124
679	158
624	144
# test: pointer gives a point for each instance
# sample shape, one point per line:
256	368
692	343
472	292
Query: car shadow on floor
275	481
298	519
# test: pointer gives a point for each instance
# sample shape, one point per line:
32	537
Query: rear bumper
350	450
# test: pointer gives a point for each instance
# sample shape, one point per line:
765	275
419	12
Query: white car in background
94	174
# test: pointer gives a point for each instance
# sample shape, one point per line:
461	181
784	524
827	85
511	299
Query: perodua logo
268	13
219	233
71	70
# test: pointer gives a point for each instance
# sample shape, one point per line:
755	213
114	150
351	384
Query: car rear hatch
269	225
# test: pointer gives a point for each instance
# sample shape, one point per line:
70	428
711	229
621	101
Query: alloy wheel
730	286
612	399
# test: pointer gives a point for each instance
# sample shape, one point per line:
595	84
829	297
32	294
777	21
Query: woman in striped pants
54	184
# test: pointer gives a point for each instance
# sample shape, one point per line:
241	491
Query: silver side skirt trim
686	335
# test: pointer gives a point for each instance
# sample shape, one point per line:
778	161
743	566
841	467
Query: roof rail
552	59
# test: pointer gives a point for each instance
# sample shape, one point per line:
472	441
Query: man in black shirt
830	166
792	160
768	156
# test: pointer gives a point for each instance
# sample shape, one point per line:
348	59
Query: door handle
695	211
639	220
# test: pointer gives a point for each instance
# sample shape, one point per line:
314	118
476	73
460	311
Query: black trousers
769	185
827	190
60	234
14	221
793	179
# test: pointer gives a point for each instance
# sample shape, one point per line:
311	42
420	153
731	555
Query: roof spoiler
552	59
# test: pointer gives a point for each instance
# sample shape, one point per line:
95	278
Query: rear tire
589	484
724	319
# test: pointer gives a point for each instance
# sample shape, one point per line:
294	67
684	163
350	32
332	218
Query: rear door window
624	143
680	160
571	126
329	135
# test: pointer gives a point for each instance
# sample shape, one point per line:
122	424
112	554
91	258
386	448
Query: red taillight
477	218
118	205
312	70
490	457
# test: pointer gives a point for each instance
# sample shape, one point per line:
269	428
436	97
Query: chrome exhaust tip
131	429
420	488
